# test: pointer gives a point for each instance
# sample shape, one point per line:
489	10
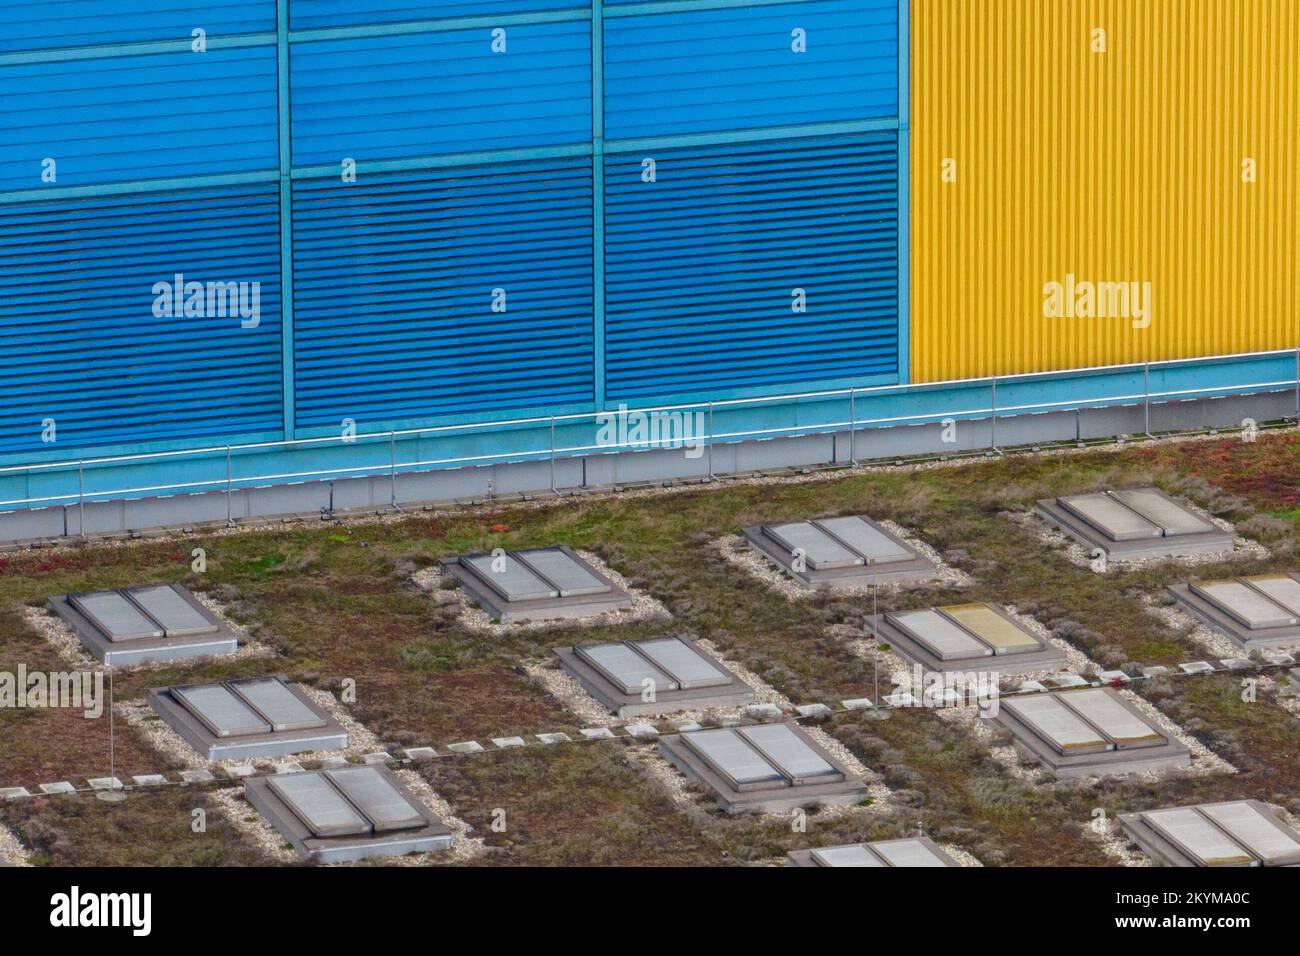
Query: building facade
252	241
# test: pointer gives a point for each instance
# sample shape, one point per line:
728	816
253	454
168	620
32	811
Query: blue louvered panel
701	264
60	24
400	96
79	341
733	68
394	280
138	117
313	14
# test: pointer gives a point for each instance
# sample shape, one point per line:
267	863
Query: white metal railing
393	467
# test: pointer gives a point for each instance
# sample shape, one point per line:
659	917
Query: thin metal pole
710	441
230	506
392	470
1146	400
853	428
81	499
1297	384
553	491
993	418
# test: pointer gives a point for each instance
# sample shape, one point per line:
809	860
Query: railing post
230	508
81	499
392	470
993	416
1146	399
553	490
710	441
853	428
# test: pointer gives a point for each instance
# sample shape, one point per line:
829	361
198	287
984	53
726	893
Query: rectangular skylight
320	807
683	662
1169	515
1256	832
866	539
1244	603
780	745
116	617
284	709
368	790
509	577
939	635
224	714
568	575
1110	517
739	763
992	628
853	855
1105	712
1060	727
625	668
1282	589
178	617
820	550
907	853
1197	837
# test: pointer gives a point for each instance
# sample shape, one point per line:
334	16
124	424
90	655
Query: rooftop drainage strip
536	585
913	851
1137	523
349	813
140	625
1275	662
1092	732
246	719
840	553
1238	833
1257	612
962	637
654	676
763	767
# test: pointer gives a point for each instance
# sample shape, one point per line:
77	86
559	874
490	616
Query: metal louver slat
703	262
317	14
395	278
41	25
740	67
387	97
126	118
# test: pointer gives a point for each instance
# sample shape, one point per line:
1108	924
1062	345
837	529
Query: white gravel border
11	848
1055	539
59	635
173	747
1217	646
444	589
246	819
738	552
1117	845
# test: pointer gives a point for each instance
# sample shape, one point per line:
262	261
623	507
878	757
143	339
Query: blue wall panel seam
904	192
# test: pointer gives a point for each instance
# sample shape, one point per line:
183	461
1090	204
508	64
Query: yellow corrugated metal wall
1118	166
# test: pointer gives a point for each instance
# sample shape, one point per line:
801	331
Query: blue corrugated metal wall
705	265
396	281
498	145
714	70
80	343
